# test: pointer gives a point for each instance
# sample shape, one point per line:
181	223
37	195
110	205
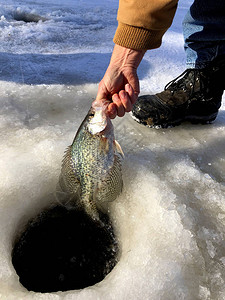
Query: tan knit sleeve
142	23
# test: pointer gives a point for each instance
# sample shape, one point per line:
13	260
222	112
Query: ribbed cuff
137	38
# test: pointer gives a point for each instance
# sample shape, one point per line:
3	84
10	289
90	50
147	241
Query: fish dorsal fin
68	179
118	148
67	156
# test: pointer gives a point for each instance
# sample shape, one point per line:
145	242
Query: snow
170	216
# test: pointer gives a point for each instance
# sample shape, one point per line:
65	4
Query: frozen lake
170	217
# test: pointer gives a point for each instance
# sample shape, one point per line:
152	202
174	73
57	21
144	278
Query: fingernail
112	113
127	87
122	94
115	97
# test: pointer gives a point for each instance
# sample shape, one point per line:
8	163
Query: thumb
99	96
102	91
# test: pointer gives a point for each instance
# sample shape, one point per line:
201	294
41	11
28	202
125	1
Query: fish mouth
97	124
100	120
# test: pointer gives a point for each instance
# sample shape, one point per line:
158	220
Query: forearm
142	24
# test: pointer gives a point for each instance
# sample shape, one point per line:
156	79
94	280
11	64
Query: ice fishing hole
27	17
62	250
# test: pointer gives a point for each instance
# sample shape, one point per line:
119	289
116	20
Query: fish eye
91	113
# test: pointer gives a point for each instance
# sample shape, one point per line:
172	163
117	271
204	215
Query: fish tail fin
90	206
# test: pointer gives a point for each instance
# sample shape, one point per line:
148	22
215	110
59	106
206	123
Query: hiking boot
193	96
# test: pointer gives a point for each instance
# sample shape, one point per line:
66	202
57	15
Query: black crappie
91	172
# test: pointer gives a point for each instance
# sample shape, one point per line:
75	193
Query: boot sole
192	119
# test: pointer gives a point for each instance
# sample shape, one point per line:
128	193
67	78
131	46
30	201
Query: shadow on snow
71	69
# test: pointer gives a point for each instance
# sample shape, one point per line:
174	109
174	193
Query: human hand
120	83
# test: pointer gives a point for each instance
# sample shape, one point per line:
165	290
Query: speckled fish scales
91	174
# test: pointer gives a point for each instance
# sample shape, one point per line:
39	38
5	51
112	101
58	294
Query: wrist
125	57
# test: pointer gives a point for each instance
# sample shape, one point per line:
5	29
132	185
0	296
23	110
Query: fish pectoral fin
118	148
104	145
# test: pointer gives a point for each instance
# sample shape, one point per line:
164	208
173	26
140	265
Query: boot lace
186	82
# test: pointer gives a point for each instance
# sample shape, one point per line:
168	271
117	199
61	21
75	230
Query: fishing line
21	70
27	113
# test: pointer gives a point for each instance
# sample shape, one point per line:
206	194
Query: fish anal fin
109	189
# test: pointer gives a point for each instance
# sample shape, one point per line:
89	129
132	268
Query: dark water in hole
63	250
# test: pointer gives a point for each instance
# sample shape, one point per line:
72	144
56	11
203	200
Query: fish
91	173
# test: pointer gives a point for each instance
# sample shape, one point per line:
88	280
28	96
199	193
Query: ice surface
170	217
